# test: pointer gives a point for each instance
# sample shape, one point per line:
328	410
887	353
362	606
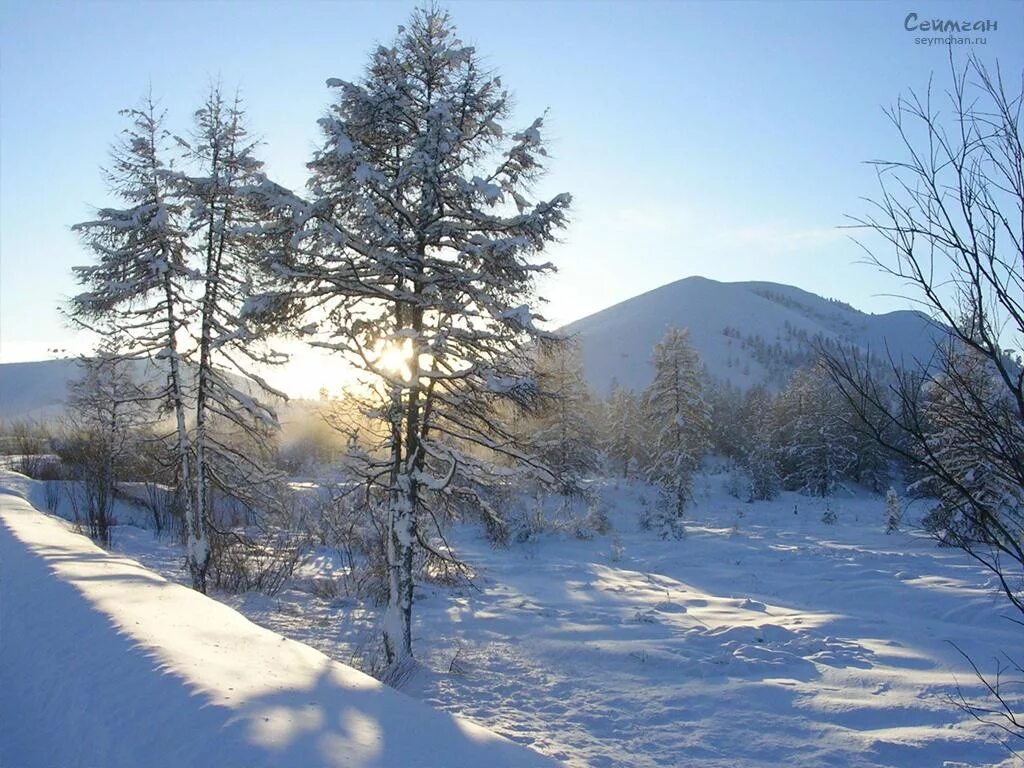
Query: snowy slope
734	327
37	391
105	663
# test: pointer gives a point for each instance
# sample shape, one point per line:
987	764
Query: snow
364	173
37	391
106	663
520	316
789	642
765	638
616	342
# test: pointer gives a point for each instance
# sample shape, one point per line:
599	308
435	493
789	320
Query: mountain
37	391
747	333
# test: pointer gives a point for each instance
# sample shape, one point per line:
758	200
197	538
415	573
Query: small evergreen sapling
893	513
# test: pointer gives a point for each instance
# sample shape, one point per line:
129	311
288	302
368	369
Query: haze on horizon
721	140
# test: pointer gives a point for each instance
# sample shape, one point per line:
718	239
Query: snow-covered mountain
747	333
35	391
38	390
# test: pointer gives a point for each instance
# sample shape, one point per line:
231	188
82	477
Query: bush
597	519
165	505
341	519
738	483
663	517
242	563
40	466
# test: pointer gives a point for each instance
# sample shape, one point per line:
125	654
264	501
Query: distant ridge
747	333
38	390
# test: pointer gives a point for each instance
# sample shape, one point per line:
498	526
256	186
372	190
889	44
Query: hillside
747	333
36	391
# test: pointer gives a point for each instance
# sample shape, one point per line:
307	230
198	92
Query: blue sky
715	139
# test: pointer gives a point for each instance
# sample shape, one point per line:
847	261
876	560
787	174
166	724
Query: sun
308	370
395	358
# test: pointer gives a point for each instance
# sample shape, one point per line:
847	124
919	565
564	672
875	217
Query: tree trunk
401	537
192	524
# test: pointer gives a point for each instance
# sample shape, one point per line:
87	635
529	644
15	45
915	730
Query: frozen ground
765	638
104	663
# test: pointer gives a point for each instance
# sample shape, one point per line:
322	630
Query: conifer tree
174	272
678	420
419	246
760	459
136	291
980	501
232	422
563	435
818	444
893	512
622	428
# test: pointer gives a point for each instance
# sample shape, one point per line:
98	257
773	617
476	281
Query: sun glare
395	358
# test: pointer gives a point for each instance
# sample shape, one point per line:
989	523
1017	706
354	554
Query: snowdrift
104	663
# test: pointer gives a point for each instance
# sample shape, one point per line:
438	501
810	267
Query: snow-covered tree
563	434
678	423
873	464
136	290
979	500
416	254
893	511
816	443
948	218
729	432
622	429
172	275
760	452
233	421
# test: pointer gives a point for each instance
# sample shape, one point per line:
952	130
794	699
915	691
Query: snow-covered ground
104	663
765	638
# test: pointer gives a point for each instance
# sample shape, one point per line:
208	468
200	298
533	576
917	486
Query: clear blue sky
719	139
